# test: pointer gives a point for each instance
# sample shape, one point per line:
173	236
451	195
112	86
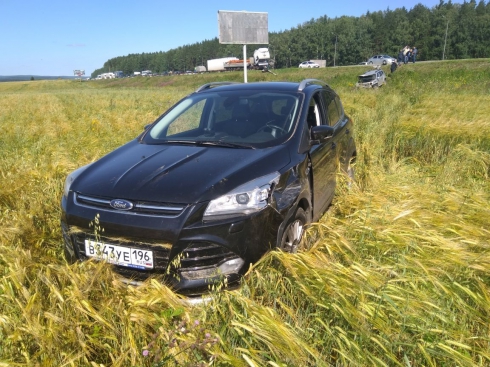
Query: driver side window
334	112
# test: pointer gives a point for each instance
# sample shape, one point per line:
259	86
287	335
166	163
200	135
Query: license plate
120	255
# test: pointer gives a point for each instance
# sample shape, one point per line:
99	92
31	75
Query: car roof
265	86
370	72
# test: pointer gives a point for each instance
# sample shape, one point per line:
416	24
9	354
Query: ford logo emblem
121	204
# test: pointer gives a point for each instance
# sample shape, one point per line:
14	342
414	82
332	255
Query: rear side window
333	106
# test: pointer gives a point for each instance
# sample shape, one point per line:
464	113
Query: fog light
228	267
231	266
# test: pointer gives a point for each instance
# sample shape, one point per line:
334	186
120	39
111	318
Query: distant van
200	69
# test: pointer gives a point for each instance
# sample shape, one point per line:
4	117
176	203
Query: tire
351	173
292	238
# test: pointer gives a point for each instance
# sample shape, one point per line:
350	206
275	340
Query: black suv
228	173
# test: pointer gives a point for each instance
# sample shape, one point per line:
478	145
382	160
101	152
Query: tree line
449	31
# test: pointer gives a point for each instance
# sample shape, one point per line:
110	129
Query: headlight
246	199
71	177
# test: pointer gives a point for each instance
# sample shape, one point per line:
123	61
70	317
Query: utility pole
445	39
335	52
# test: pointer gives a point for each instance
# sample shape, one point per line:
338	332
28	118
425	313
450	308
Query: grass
399	268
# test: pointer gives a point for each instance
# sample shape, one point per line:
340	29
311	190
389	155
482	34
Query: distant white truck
219	64
105	76
261	58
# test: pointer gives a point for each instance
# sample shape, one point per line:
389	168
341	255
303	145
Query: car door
323	159
339	142
342	129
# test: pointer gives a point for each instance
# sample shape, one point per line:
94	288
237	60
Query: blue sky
55	37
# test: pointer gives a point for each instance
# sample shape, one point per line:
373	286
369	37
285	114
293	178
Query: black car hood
174	173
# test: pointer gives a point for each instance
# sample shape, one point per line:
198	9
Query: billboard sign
241	27
78	72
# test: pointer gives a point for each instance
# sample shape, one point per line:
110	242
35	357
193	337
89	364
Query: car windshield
251	119
366	78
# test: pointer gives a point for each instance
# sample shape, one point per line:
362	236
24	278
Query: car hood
174	173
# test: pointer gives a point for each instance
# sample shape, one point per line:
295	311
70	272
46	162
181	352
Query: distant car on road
371	79
362	63
309	64
381	60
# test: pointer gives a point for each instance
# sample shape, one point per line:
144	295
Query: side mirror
321	133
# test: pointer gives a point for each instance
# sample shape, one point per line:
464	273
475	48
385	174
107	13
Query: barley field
398	273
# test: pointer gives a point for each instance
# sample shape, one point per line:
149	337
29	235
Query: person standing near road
400	56
407	56
414	54
393	67
405	50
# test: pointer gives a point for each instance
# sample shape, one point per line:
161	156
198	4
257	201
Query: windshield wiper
209	143
225	144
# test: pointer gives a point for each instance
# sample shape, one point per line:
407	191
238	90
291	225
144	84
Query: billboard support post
245	63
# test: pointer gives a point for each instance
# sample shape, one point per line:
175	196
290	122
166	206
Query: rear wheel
351	174
292	238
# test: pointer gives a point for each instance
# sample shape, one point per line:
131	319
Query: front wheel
292	238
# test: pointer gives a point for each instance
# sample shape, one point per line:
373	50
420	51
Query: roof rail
304	83
212	85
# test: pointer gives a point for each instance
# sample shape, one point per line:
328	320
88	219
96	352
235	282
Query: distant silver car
381	60
371	79
309	64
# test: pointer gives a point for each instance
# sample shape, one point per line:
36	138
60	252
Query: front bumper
189	254
367	85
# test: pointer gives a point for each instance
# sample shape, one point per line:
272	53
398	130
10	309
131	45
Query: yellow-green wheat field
398	273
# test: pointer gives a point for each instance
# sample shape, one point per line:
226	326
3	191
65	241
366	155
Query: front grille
139	207
204	254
